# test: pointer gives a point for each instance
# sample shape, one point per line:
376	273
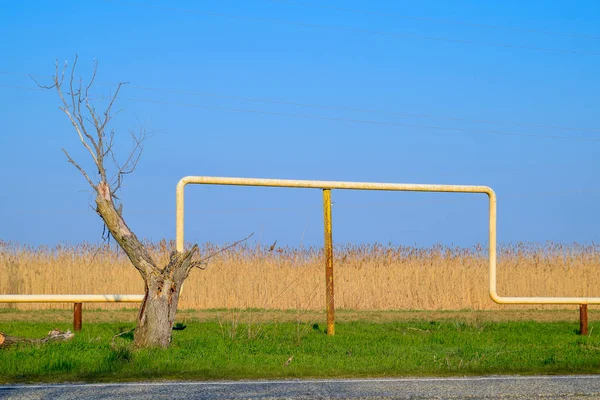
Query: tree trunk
157	313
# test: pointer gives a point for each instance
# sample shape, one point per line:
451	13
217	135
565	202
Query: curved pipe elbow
495	297
182	183
490	192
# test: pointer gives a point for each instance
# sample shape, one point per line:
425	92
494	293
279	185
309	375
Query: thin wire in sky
337	205
354	30
436	20
364	110
334	107
339	119
362	121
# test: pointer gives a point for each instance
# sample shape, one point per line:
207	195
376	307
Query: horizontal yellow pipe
543	300
407	187
71	298
288	183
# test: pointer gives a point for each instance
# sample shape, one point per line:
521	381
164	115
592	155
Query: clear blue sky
535	74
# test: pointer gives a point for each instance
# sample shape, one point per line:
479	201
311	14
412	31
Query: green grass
209	350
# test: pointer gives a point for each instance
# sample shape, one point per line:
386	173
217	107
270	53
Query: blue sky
403	91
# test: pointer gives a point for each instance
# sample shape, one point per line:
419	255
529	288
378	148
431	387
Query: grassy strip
230	350
118	314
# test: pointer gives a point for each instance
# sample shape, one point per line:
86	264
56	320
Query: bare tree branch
74	116
56	80
202	261
53	336
97	145
107	116
112	342
110	143
132	161
73	110
80	169
88	105
76	101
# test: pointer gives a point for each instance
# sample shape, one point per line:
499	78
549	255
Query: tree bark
162	285
157	313
131	245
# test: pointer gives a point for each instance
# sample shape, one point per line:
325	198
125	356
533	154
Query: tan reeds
367	277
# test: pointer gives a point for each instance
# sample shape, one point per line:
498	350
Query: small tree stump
53	336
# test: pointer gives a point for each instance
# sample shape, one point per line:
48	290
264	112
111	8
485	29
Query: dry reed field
367	277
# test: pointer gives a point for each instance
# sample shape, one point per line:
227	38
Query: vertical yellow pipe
179	217
492	245
328	250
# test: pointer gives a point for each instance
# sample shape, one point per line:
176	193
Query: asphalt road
504	387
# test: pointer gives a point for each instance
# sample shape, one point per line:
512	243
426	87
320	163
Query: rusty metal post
583	319
328	252
77	311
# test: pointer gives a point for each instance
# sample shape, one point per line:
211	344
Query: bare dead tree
162	284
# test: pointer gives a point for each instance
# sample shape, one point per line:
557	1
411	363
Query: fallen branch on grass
112	342
53	336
